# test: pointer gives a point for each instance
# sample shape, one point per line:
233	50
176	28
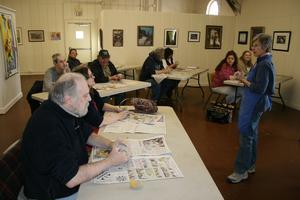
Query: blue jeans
247	153
229	91
155	89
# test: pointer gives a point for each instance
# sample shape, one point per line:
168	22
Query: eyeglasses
91	76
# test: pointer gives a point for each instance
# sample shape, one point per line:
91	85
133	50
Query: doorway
78	36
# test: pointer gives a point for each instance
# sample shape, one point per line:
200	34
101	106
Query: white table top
196	184
122	68
185	73
282	78
106	89
236	83
117	87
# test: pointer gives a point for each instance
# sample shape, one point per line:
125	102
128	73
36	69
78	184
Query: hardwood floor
278	164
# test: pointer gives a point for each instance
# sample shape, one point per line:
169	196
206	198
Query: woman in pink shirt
226	71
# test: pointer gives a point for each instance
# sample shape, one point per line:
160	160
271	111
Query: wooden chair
210	78
11	174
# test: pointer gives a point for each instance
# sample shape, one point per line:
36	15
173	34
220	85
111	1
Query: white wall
50	16
10	89
281	16
187	53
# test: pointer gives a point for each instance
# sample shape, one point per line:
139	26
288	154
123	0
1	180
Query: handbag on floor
220	113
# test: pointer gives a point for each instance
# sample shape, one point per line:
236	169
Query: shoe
251	170
236	178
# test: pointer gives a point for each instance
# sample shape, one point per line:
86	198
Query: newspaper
150	160
139	123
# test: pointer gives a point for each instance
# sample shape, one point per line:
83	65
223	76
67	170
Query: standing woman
245	63
259	86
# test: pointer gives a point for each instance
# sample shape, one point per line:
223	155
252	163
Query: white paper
159	77
139	123
151	160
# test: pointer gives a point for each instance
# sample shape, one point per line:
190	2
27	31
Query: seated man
104	71
53	73
153	65
53	148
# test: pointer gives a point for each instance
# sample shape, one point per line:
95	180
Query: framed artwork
171	36
193	36
9	42
19	36
281	40
36	36
118	37
254	31
213	37
243	37
55	36
145	35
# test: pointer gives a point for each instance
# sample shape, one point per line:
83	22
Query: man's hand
118	155
114	78
112	117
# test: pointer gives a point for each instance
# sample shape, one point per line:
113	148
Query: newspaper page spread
139	123
150	160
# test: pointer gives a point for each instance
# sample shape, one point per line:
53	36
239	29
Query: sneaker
236	178
251	170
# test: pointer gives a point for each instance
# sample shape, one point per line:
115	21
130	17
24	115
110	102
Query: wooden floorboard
278	164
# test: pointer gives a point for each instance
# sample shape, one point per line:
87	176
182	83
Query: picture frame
9	42
145	35
213	37
170	37
281	40
243	37
193	36
36	36
254	31
117	35
19	36
55	36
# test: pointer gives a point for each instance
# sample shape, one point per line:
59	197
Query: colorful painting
9	43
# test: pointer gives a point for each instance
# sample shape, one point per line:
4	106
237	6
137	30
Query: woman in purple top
226	71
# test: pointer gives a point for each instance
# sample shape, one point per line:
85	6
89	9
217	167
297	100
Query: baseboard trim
10	104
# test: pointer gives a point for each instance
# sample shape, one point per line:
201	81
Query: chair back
11	173
36	88
210	78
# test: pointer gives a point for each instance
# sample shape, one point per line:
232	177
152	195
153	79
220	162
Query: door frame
93	36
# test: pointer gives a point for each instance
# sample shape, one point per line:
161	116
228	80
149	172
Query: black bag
220	113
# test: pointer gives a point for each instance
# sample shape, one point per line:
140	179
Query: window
212	8
79	35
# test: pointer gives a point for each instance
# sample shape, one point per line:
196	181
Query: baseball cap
103	53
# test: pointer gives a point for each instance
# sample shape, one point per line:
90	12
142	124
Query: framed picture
254	31
281	40
193	36
9	42
171	36
118	37
243	37
145	35
36	36
19	36
55	36
213	37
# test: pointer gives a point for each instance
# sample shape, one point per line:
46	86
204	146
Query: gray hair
265	41
55	58
159	52
65	85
